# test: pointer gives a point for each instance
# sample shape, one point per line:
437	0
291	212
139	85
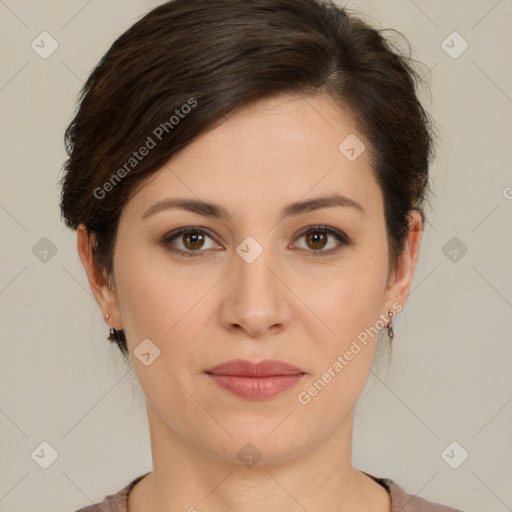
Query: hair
187	64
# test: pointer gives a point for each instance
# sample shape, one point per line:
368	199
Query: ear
105	296
400	283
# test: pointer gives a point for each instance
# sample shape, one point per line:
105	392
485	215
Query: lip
252	380
266	368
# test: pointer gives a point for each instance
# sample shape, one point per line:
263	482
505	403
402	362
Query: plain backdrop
446	393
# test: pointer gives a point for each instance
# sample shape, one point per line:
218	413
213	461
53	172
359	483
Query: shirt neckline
384	482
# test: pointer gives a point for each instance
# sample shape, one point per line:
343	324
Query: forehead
269	153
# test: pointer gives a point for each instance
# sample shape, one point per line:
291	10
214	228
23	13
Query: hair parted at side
187	64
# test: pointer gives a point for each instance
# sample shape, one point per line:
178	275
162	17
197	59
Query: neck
186	477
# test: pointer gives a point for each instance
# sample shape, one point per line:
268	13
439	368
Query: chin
263	444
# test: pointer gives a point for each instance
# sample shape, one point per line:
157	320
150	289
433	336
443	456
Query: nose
256	295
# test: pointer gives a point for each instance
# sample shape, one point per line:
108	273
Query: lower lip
256	388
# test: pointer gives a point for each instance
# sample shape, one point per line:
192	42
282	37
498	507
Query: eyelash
338	235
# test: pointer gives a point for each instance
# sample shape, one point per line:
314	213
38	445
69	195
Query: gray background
449	376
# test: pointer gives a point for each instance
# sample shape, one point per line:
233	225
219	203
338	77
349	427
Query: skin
287	305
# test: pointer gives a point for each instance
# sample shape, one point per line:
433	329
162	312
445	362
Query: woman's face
267	281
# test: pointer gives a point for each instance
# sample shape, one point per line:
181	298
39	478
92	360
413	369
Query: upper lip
266	368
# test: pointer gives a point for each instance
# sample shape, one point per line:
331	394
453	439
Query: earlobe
98	281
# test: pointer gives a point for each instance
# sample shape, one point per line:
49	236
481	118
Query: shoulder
401	501
117	502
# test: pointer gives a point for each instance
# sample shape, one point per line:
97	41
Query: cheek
349	306
150	298
351	297
164	302
161	303
141	304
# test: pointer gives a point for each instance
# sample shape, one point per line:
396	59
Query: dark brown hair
187	64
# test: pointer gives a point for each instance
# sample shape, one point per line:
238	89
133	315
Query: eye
192	240
318	236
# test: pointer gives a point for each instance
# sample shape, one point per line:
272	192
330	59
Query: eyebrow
219	212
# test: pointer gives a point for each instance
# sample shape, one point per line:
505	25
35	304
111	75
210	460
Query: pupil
194	237
316	238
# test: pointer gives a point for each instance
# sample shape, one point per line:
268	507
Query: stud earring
107	316
391	334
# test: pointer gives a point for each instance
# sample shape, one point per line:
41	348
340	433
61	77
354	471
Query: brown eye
190	242
317	239
193	240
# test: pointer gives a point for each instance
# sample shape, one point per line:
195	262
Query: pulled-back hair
187	64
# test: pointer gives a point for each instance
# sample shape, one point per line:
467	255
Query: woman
246	180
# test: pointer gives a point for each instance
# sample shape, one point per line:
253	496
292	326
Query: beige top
400	500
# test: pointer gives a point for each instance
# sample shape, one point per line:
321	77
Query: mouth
254	381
